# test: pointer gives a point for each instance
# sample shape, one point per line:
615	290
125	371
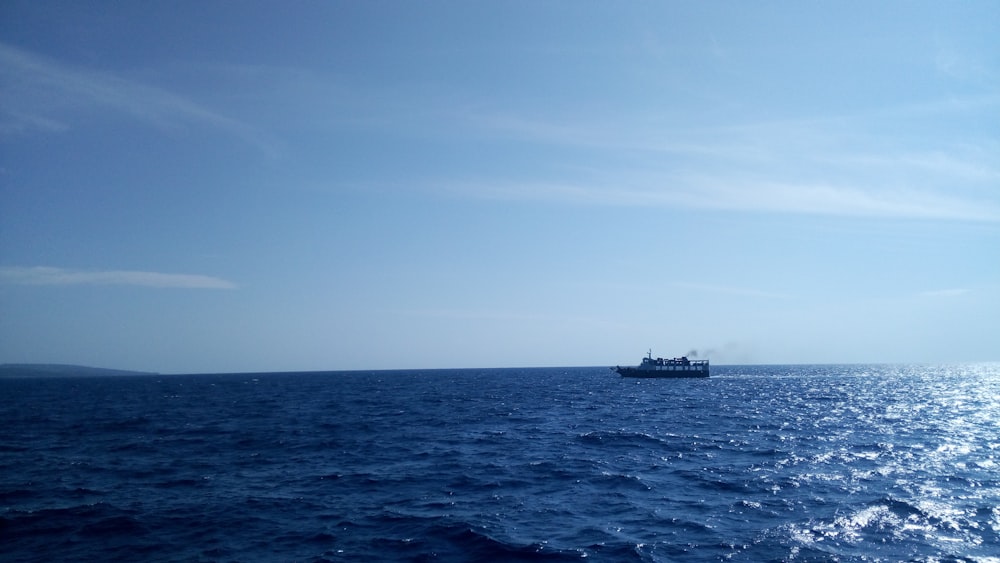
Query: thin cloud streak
504	316
58	276
843	200
728	290
729	194
956	292
37	91
731	137
476	314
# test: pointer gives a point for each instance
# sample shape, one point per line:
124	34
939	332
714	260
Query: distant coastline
61	370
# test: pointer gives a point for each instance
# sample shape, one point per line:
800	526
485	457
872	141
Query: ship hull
661	374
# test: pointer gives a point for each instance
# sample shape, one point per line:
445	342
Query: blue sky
252	186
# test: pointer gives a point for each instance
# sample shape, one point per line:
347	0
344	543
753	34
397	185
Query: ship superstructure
665	367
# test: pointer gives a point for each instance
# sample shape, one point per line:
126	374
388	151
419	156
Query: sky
191	187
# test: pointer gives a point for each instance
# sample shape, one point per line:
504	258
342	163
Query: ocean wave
621	438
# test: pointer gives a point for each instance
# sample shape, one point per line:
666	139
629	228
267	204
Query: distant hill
61	370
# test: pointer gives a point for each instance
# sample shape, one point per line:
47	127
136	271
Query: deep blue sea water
757	463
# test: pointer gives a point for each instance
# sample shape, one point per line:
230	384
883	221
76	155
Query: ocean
756	463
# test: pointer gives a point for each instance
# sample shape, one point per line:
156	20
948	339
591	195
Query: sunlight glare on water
756	463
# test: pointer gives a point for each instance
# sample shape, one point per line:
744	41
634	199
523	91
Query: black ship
665	367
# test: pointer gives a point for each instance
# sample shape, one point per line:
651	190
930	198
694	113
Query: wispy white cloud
611	135
39	93
975	164
861	165
731	290
473	314
960	63
956	292
733	194
58	276
663	130
857	199
501	316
